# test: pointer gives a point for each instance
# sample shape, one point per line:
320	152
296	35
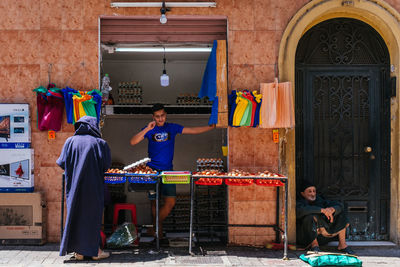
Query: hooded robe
85	157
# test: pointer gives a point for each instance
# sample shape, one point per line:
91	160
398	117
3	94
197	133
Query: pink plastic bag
53	112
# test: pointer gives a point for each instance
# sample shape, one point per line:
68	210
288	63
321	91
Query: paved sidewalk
47	255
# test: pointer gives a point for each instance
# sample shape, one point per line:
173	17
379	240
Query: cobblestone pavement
47	255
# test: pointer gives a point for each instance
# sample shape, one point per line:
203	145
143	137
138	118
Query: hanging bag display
268	111
277	110
285	109
41	103
53	114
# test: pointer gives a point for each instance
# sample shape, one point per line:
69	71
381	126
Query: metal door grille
342	107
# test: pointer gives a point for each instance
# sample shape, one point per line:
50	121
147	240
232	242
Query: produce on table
142	169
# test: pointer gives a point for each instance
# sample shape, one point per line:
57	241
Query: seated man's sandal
347	250
315	249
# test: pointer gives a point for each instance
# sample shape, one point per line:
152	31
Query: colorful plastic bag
124	236
333	259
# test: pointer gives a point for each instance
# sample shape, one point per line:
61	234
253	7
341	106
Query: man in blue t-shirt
161	137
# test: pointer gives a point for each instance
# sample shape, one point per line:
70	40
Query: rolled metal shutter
148	29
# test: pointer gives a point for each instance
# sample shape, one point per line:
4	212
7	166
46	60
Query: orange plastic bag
285	108
277	109
268	109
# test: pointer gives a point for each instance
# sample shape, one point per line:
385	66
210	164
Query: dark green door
343	121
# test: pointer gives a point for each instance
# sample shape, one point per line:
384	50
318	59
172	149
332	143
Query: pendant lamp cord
164	61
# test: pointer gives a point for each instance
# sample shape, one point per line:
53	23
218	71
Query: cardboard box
15	128
16	170
22	218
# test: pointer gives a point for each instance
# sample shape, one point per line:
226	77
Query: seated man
318	220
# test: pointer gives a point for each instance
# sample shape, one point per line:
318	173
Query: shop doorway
132	52
343	121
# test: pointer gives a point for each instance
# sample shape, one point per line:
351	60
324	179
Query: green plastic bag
331	260
124	236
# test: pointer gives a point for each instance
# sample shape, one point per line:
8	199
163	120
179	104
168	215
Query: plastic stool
124	206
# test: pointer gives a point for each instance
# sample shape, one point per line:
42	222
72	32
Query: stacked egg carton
216	164
130	93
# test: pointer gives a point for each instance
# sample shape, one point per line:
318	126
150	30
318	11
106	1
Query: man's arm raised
197	130
140	135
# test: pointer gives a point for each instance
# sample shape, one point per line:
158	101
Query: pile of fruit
238	173
142	169
209	181
236	181
115	171
268	174
269	182
209	173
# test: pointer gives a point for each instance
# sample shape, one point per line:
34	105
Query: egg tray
137	178
176	177
209	181
265	182
271	182
114	178
240	182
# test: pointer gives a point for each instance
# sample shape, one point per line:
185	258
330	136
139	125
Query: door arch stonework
385	20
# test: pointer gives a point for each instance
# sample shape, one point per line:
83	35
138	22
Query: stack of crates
211	214
179	218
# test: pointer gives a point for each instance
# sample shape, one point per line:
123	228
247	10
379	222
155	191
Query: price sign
275	135
51	134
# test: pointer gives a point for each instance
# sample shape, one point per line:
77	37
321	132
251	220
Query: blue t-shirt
161	145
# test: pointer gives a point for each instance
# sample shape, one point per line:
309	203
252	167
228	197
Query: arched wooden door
343	120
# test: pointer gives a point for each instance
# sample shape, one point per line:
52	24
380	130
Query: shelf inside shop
146	109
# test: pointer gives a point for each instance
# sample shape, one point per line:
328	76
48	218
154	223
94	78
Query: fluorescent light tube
160	49
159	4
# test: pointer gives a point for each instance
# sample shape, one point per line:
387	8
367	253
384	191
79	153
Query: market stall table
119	178
276	181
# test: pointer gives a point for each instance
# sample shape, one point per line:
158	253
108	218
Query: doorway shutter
148	29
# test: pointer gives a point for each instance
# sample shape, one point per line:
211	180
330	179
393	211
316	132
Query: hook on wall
86	70
49	70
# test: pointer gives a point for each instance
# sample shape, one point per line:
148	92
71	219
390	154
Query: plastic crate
114	178
176	177
135	178
209	181
264	182
240	182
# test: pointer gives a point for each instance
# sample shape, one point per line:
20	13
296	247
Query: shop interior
136	84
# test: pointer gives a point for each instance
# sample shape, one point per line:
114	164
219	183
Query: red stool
125	206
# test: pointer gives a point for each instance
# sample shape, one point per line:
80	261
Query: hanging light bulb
164	78
163	19
163	10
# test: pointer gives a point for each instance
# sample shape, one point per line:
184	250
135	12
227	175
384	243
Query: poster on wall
15	129
16	170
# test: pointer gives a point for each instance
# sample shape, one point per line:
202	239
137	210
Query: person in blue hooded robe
84	158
